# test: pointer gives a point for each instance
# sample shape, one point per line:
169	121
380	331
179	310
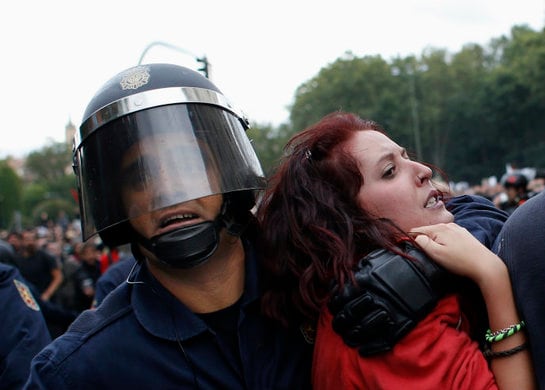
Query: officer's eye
139	174
131	178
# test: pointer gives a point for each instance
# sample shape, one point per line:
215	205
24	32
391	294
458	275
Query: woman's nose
424	173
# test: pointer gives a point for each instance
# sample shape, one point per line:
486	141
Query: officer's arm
56	280
368	317
479	216
392	294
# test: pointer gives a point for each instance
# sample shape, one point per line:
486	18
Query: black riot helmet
194	145
516	180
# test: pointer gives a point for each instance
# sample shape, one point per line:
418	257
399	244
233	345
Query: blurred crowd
513	189
64	270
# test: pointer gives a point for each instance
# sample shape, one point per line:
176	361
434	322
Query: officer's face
89	254
512	193
157	178
394	186
177	216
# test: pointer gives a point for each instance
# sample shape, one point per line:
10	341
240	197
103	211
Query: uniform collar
164	316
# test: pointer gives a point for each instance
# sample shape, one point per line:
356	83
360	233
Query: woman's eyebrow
386	157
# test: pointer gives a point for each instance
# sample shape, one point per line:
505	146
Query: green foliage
11	189
53	207
349	84
50	182
51	163
268	142
469	113
33	194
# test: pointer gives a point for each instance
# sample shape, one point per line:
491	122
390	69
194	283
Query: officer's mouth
173	221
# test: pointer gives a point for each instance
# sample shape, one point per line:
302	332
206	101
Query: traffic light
204	67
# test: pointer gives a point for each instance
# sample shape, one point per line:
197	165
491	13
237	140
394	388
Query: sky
56	54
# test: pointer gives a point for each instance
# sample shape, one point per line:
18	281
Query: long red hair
313	230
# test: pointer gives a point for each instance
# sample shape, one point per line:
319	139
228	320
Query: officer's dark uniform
141	336
520	245
115	275
479	216
173	344
22	328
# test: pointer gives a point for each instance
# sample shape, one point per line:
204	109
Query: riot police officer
163	163
23	328
516	191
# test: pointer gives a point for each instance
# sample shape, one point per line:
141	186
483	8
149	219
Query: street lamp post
205	68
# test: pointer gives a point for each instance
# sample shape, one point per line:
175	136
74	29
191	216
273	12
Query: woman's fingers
453	247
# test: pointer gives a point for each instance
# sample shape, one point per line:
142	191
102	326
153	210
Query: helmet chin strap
185	247
190	246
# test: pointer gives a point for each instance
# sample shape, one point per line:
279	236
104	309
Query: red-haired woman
345	189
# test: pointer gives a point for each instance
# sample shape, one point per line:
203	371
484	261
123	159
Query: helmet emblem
135	78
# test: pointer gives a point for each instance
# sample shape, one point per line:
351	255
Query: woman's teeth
431	202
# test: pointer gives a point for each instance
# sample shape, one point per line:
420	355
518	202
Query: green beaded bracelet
498	335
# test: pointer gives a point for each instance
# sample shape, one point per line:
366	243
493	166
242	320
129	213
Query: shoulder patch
26	295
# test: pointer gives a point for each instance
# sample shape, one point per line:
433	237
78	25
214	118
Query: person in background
37	266
108	257
86	275
57	317
7	253
347	203
537	184
163	163
516	192
66	294
15	240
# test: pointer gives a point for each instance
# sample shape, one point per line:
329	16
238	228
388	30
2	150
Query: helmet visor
160	157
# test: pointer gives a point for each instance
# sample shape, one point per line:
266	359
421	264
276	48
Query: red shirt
434	355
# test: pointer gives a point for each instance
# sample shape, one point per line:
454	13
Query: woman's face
394	186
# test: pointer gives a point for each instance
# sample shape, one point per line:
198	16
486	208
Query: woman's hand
457	250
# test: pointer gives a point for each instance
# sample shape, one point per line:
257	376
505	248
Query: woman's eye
389	172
